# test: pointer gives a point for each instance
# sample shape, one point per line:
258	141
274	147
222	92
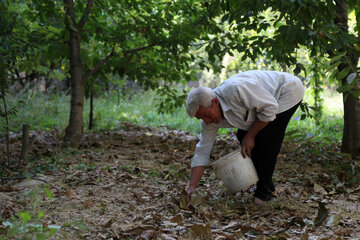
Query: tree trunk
74	130
6	127
91	114
351	132
26	143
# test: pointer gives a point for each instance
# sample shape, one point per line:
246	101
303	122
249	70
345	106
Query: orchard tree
146	40
319	25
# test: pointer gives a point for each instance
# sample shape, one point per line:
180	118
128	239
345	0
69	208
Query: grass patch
49	112
331	124
41	111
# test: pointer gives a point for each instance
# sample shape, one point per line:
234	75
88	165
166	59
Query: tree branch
69	7
85	14
102	62
132	16
126	52
97	66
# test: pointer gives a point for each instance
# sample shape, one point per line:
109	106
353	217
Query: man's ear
215	101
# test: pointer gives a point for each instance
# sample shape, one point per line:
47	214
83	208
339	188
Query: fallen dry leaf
184	201
199	231
149	234
108	223
195	200
109	185
146	202
167	237
333	220
137	231
156	217
88	203
7	206
8	189
178	219
319	189
71	193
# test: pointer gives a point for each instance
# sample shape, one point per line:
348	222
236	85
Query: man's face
210	114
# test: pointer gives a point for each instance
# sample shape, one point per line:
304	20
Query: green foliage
46	112
348	72
317	87
29	224
277	30
147	41
169	99
141	109
328	130
158	41
86	166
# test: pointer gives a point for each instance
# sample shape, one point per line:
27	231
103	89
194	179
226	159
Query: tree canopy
156	42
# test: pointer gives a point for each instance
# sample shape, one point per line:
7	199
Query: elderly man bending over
258	103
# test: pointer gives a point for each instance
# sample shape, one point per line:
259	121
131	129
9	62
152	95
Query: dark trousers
267	147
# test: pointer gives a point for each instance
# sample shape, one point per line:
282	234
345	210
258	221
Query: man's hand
196	174
191	190
248	143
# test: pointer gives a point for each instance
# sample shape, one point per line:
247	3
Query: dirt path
129	184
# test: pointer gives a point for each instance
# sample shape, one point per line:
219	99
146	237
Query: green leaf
48	193
40	236
71	24
41	214
52	232
344	72
25	217
66	35
343	88
338	57
298	69
334	66
225	18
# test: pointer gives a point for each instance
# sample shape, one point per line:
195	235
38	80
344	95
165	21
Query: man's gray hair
199	96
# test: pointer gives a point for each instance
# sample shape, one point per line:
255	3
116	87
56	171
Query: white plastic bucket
236	172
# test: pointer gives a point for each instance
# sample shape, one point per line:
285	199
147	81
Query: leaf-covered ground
129	184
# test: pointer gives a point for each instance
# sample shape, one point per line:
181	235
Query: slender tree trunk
74	130
26	144
351	132
118	94
6	127
91	115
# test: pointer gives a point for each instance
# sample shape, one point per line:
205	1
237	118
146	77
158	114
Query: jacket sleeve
204	146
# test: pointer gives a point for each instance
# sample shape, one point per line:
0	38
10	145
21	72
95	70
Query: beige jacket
245	97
